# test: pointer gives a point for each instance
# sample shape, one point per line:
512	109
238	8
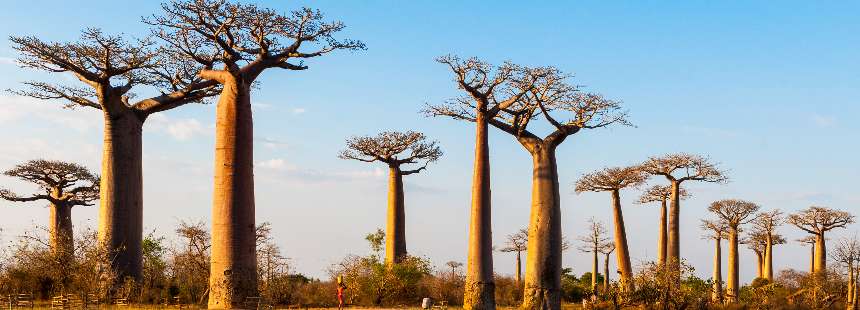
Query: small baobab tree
678	169
394	149
810	240
235	43
593	243
110	67
612	180
733	213
717	231
661	194
489	90
817	221
549	96
847	253
454	265
767	223
757	241
606	249
63	185
516	243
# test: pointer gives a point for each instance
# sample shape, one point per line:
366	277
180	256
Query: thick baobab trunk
759	259
768	258
479	290
820	254
543	263
662	241
519	268
62	235
717	294
395	227
622	252
733	281
121	192
233	275
673	251
606	274
594	274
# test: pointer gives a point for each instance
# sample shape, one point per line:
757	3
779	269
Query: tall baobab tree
550	94
235	43
767	223
489	90
661	194
517	243
394	149
810	240
717	231
817	221
757	241
612	180
593	243
606	249
63	185
677	169
109	67
847	253
733	213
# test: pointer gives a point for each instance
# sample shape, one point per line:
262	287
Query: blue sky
768	91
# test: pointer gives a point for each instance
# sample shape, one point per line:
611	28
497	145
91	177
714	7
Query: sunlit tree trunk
673	252
759	259
543	263
121	190
61	231
851	284
812	259
662	241
395	227
622	253
606	274
479	290
594	273
820	254
733	281
233	275
519	268
768	258
717	294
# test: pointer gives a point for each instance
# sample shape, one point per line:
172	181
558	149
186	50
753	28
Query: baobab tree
661	194
817	221
612	180
678	169
810	240
235	43
847	253
733	213
110	67
757	241
489	90
517	243
454	265
394	149
606	250
63	185
717	231
548	95
593	243
766	223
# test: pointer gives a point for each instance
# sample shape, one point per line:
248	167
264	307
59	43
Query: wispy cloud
16	108
8	61
273	144
824	121
182	129
283	170
297	111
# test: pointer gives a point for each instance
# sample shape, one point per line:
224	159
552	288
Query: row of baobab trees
204	49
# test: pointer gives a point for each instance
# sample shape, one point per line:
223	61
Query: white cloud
277	164
8	61
273	144
299	111
824	121
182	129
20	108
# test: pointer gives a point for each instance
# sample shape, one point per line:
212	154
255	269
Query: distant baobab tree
677	169
717	231
661	194
810	240
606	250
394	149
517	243
757	241
63	185
767	223
551	93
817	221
847	253
592	243
489	90
109	67
612	180
235	43
454	265
733	213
